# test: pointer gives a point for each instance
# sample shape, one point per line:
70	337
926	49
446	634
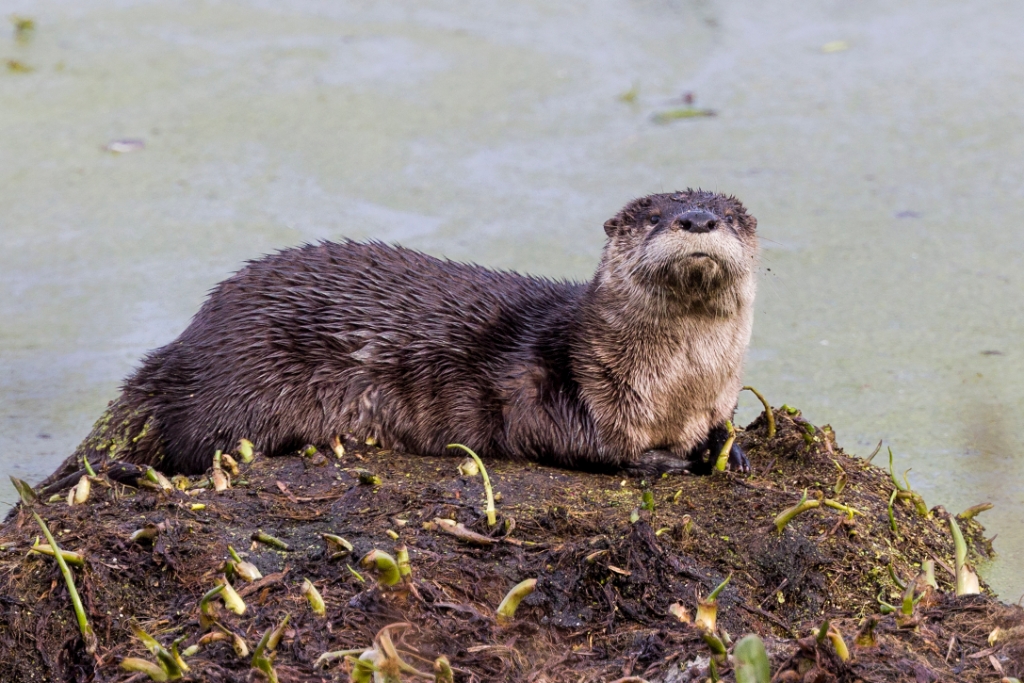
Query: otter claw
653	464
738	461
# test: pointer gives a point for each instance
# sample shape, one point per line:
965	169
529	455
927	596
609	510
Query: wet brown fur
632	370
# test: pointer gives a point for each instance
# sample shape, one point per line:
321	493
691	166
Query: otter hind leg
700	460
657	462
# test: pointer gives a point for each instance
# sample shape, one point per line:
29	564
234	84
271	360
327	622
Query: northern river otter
638	369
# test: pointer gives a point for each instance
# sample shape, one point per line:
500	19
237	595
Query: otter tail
123	433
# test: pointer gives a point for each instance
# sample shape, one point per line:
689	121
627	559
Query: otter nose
696	221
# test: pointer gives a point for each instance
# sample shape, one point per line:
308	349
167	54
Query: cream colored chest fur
695	385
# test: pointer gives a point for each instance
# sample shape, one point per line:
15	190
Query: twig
770	617
268	580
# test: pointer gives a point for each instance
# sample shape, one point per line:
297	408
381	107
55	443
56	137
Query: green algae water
148	149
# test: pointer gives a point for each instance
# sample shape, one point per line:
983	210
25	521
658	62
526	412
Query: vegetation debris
834	594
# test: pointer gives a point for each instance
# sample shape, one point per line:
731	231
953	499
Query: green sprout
246	450
883	606
166	660
752	665
206	612
443	671
769	415
866	634
789	514
973	511
25	492
507	609
491	514
232	600
723	457
267	539
928	567
339	546
138	665
836	638
316	601
404	564
385	565
246	571
707	609
27	498
835	505
966	579
719	653
161	482
72	558
262	656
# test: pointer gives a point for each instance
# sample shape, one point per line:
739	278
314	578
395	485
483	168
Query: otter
636	370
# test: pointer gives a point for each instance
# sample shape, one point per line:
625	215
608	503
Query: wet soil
610	559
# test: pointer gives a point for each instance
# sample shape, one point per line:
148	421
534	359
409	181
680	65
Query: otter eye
654	219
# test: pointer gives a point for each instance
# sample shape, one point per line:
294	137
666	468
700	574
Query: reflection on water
879	146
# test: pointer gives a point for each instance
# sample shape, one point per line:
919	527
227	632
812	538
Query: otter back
360	339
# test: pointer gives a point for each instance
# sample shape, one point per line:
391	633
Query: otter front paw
738	461
653	464
713	445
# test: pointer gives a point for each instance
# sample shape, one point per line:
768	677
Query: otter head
694	248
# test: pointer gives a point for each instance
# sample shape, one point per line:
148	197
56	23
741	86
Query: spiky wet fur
372	340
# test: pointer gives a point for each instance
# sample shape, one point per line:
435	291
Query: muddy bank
620	566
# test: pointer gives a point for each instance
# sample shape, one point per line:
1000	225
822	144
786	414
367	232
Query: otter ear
612	225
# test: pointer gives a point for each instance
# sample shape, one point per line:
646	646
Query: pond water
879	145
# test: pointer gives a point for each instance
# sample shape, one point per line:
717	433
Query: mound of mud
620	566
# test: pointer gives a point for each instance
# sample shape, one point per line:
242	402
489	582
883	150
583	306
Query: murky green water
888	178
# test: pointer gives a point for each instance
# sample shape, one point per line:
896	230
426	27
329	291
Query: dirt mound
620	567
